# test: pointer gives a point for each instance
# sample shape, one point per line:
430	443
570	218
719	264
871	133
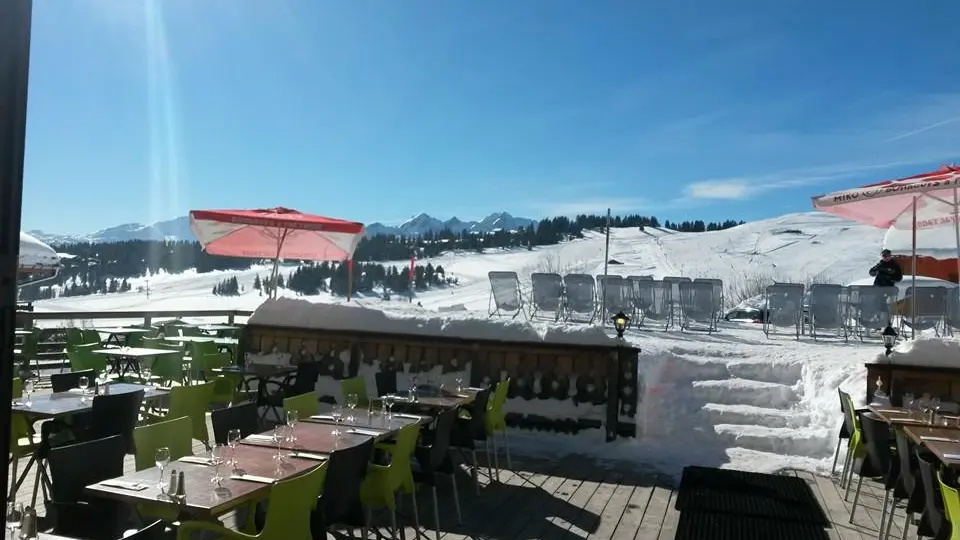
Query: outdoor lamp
620	323
889	338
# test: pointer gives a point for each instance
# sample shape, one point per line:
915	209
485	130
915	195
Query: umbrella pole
956	234
913	276
276	263
349	279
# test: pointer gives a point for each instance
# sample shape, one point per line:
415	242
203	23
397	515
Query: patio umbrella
923	201
275	233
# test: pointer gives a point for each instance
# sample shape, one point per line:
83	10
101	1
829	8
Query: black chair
114	414
908	488
386	382
302	381
340	502
433	459
64	382
155	531
242	416
468	430
876	435
934	522
72	469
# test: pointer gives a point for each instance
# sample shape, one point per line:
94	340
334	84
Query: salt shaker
173	485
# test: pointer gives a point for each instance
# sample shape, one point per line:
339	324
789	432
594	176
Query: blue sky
374	111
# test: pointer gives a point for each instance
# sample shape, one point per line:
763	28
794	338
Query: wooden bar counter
898	379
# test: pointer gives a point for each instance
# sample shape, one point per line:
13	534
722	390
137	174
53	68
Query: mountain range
179	229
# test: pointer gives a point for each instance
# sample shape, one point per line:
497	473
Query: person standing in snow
887	272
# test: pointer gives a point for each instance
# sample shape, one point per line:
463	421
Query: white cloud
719	189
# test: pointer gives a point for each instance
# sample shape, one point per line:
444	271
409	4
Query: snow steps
719	413
745	392
783	441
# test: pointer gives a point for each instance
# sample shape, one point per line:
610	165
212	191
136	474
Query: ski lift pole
606	265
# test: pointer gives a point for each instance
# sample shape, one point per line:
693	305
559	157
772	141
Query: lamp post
889	338
620	322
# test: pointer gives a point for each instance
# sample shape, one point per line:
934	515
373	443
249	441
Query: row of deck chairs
691	304
857	309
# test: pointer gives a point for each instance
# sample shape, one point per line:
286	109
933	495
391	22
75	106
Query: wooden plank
528	508
670	518
544	523
831	508
577	520
653	517
624	509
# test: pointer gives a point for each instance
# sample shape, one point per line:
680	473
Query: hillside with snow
735	398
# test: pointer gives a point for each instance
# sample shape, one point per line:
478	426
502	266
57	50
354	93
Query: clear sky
141	110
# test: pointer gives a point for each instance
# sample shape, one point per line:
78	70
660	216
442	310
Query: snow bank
294	313
34	253
926	350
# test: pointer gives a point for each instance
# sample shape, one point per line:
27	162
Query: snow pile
292	313
926	350
36	254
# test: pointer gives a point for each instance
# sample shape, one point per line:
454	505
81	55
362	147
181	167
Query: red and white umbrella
919	202
275	233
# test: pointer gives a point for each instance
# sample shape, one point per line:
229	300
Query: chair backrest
194	402
718	298
927	463
355	385
581	290
242	416
616	292
63	382
341	492
306	405
908	461
386	382
174	434
153	531
876	436
697	300
671	287
478	416
116	414
547	291
441	438
505	287
931	301
306	377
784	302
76	466
825	305
873	303
291	503
951	500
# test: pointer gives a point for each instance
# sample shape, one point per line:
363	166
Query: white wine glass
217	454
293	416
337	415
352	400
27	391
233	441
162	459
459	380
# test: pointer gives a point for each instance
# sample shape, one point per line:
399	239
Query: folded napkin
253	478
410	416
938	439
951	456
475	389
120	484
368	432
894	411
908	421
315	457
196	459
321	417
260	438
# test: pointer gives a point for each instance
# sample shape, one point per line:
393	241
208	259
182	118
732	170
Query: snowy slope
735	398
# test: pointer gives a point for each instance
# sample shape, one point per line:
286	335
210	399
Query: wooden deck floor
575	498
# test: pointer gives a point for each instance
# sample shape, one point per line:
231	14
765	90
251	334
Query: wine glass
102	380
389	402
233	440
293	416
337	415
909	401
459	381
352	400
27	390
279	435
162	458
14	516
216	458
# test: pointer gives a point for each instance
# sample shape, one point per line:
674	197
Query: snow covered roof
293	313
36	254
938	242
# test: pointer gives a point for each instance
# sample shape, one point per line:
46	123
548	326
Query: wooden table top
316	437
262	371
900	415
376	421
449	400
135	352
943	442
121	331
72	402
214	339
203	497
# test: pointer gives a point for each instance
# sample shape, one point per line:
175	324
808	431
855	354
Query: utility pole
606	266
14	74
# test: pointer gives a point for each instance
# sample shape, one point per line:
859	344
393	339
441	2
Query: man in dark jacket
887	272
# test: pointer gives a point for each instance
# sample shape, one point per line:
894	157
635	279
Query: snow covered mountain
179	229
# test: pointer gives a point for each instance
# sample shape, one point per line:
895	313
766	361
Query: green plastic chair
90	336
496	420
175	434
29	352
191	331
856	448
382	482
306	405
134	340
288	514
20	443
74	337
191	402
951	506
358	386
83	358
150	342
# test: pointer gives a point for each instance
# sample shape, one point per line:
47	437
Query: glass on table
909	402
217	454
337	415
14	516
233	440
27	391
83	383
351	402
293	416
162	459
279	437
459	381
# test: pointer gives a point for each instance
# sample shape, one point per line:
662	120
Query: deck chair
505	296
581	297
643	297
870	307
697	304
953	311
616	294
784	307
671	298
931	308
718	299
546	294
826	309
